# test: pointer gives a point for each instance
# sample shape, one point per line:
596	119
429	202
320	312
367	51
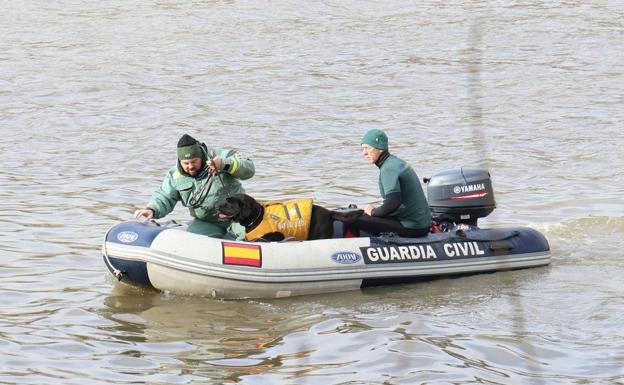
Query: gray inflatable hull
171	259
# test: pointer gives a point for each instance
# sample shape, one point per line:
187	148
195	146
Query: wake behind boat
169	258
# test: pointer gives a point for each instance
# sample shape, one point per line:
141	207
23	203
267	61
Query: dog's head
239	208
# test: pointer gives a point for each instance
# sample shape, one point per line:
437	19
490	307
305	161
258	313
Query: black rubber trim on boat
393	239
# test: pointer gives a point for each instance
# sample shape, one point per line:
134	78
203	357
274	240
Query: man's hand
369	209
145	214
215	165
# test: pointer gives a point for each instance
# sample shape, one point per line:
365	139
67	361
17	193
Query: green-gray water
94	95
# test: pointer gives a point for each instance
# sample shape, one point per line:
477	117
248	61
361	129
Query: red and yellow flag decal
241	254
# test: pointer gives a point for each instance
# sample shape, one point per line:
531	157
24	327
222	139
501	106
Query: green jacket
395	175
180	187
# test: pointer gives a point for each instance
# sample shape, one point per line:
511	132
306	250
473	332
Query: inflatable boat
168	258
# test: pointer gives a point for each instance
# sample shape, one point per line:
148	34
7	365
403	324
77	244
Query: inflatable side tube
131	234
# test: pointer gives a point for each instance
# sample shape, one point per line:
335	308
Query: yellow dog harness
291	218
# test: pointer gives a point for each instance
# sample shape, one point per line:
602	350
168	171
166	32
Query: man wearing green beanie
202	177
405	210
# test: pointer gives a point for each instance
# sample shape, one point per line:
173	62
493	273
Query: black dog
248	212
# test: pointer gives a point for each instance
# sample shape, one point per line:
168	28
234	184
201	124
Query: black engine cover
462	195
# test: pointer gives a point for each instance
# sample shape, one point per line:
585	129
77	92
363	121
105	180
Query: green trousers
217	230
210	229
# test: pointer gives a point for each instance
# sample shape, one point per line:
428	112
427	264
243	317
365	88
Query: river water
95	94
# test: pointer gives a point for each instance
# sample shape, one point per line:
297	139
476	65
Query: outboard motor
461	195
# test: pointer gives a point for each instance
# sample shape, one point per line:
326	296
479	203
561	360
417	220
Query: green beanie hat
188	148
376	138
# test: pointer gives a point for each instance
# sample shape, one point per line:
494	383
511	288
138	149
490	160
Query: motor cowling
461	195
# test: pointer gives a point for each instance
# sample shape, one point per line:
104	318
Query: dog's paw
273	237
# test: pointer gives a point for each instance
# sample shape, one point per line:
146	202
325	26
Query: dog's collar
256	219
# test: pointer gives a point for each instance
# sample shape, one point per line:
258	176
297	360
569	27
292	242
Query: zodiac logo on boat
345	257
127	236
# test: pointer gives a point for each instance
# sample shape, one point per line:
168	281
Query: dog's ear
246	207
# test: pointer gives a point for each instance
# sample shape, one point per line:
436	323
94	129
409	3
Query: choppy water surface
94	95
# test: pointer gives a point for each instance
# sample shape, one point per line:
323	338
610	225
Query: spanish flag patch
242	254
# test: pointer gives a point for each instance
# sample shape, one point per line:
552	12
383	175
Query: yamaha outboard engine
461	195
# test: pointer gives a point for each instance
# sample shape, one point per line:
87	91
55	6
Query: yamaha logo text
469	188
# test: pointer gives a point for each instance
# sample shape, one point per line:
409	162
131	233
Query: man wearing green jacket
405	210
202	178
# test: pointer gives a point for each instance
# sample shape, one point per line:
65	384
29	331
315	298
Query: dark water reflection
498	327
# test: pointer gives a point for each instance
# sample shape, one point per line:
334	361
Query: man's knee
197	226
